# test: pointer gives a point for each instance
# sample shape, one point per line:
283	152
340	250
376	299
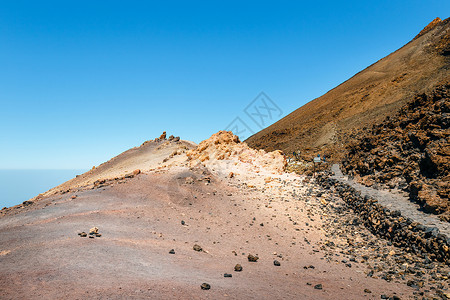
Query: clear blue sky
82	81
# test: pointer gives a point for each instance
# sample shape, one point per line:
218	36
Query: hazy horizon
20	185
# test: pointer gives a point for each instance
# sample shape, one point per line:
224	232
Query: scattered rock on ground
197	248
252	258
93	230
205	286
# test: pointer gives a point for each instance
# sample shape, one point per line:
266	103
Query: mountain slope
329	122
151	155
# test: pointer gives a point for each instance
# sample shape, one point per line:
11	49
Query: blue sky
82	81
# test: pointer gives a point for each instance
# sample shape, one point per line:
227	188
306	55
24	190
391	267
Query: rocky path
394	202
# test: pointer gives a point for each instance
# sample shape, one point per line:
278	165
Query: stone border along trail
344	238
403	232
393	202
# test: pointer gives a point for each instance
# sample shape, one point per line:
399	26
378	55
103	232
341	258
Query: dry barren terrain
164	232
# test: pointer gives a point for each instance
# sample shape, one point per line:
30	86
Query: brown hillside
328	123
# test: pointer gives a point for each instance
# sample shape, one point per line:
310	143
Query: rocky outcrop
224	145
429	27
163	136
409	151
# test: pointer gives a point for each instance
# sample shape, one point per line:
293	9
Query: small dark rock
276	263
252	258
182	222
172	251
318	286
410	283
431	231
227	275
396	213
197	248
205	286
238	268
367	291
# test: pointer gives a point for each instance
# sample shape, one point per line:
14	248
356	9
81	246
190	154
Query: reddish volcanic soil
140	219
227	198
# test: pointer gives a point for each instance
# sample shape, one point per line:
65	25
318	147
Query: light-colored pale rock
226	147
93	230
